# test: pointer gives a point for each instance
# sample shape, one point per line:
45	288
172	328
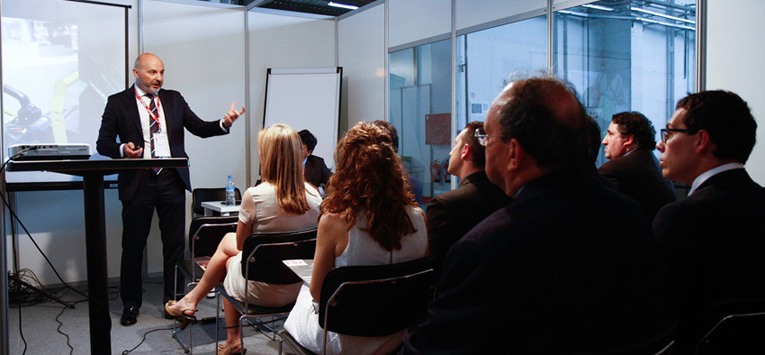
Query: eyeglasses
483	138
666	133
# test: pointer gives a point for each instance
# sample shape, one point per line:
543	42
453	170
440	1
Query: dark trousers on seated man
165	193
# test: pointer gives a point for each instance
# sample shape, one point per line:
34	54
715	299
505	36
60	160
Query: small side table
221	207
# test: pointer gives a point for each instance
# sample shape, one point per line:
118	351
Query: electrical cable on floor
58	329
21	224
25	289
21	296
15	256
125	352
19	285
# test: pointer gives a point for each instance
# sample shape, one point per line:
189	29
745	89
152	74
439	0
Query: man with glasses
570	266
452	214
632	167
714	240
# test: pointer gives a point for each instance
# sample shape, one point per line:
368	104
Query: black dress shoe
129	316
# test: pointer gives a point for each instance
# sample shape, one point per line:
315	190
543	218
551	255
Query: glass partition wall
619	55
627	56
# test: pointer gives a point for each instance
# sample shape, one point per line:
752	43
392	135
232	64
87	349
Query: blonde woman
369	217
282	202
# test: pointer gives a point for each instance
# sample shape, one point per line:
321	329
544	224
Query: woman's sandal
184	317
234	350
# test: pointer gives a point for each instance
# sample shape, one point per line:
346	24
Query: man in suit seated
631	166
714	239
546	274
316	171
452	214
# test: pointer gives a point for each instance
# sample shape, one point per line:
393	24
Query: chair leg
264	327
217	320
241	331
176	329
191	333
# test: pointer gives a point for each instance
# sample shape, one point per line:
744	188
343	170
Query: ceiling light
598	7
643	19
662	15
344	6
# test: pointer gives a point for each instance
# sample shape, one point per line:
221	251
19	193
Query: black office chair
262	256
202	194
205	233
660	343
374	300
738	333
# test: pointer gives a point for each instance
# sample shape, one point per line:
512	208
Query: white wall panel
362	54
472	13
410	21
203	49
735	62
280	41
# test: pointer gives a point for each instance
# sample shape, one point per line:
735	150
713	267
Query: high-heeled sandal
233	350
183	317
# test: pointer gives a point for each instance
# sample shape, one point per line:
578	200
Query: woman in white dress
282	202
368	217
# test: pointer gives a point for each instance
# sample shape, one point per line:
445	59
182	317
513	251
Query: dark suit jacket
568	266
638	175
316	171
122	121
453	213
714	245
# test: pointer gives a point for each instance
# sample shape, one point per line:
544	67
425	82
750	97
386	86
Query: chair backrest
376	300
262	255
206	232
202	194
739	333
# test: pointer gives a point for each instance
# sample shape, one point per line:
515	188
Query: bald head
545	116
149	73
551	93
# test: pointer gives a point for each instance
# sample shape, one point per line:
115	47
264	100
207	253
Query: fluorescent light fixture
574	13
598	7
643	19
344	6
693	22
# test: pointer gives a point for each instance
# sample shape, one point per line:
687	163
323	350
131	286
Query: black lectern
92	172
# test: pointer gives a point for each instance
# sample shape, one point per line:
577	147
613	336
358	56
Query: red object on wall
438	129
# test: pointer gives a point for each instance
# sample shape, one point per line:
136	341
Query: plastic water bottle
230	192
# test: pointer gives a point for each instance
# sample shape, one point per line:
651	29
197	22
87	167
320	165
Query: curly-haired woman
369	217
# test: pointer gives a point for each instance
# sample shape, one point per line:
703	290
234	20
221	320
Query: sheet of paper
301	267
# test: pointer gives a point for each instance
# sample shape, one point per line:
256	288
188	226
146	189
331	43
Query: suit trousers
165	193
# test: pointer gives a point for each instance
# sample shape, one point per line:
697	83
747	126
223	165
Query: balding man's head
545	116
558	97
149	73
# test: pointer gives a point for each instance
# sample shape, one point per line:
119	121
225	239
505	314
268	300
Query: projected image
41	85
61	60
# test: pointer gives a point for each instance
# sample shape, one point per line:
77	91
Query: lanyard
151	114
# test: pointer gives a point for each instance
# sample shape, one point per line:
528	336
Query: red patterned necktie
153	128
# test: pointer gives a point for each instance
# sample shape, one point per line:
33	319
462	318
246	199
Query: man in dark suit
714	239
415	185
452	214
146	122
315	170
632	166
546	274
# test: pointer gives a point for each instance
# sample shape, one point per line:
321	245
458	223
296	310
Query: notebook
301	267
